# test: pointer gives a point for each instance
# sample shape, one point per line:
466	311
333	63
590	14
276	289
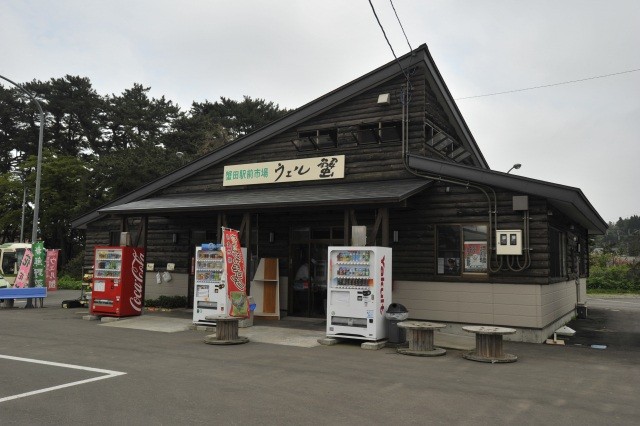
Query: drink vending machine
210	292
358	292
118	281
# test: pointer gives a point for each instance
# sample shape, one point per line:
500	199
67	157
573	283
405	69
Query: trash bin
396	313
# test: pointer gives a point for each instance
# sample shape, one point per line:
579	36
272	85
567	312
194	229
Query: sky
584	134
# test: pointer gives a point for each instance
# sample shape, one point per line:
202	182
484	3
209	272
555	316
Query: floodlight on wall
384	99
272	237
174	238
395	236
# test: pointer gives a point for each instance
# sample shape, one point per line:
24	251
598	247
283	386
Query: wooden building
389	151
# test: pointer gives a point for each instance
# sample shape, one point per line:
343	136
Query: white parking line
107	375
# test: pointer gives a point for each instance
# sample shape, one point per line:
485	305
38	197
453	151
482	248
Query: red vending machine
118	281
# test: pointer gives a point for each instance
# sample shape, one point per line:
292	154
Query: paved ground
173	378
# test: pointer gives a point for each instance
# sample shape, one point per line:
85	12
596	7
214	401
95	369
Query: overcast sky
584	134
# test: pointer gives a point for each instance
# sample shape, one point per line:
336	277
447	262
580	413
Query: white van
10	258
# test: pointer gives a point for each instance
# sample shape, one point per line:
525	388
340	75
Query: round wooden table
489	344
226	332
420	338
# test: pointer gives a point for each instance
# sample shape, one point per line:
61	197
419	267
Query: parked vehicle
10	257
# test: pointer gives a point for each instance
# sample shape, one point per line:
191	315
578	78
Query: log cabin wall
364	162
415	252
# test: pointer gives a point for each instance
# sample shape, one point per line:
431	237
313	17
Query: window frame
451	265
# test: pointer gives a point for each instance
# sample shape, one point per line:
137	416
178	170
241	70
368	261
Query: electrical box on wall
509	242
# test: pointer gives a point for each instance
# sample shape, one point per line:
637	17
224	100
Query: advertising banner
22	279
236	280
39	263
475	255
51	273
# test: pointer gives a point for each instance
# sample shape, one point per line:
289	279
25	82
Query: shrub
66	282
167	302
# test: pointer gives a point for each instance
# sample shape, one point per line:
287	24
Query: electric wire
401	27
386	38
549	85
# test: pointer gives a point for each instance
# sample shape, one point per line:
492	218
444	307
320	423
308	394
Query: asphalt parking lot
57	368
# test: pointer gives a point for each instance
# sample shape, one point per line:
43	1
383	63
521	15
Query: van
10	257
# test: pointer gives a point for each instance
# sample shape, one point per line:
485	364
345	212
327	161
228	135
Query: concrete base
202	327
328	341
91	317
374	346
109	319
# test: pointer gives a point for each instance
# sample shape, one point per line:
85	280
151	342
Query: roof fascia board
553	191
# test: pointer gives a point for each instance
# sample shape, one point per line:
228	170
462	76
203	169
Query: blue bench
24	293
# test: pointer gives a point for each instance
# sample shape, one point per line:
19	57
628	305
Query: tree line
98	147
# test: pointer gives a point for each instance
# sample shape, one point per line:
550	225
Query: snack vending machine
210	293
358	292
118	281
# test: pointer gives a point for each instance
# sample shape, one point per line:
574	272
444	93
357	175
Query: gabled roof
376	77
569	200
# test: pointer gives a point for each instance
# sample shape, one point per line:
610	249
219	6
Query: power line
549	85
386	38
398	18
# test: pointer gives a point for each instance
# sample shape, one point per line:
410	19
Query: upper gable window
349	136
381	132
316	139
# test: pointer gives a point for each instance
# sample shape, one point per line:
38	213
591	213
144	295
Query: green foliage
97	148
622	238
66	282
73	268
607	274
167	302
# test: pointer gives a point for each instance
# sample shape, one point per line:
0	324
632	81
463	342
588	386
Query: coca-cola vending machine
118	281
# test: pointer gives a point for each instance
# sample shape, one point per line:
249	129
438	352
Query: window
316	139
461	249
9	263
557	253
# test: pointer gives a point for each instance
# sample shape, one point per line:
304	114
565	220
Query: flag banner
39	258
51	273
236	280
22	279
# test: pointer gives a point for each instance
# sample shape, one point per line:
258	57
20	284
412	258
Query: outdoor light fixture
272	237
384	99
395	236
515	166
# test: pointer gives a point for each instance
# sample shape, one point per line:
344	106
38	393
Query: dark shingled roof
333	194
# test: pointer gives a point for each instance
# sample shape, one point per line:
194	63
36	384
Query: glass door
308	255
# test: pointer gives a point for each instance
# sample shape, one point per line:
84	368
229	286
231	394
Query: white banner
317	168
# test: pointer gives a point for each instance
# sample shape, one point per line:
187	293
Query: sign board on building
303	169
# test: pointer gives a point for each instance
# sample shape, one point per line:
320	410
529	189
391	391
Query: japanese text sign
51	273
39	258
22	279
303	169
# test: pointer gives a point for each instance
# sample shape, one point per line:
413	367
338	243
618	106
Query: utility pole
36	201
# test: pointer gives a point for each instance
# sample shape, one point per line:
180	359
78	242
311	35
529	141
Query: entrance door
309	261
308	269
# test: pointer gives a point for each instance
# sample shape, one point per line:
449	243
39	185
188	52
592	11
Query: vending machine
210	293
358	292
118	281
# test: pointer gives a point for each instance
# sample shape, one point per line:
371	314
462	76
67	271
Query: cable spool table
226	332
489	344
420	337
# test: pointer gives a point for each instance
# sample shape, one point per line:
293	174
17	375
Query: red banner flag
51	271
236	279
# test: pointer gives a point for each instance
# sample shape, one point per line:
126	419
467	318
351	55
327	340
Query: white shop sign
317	168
